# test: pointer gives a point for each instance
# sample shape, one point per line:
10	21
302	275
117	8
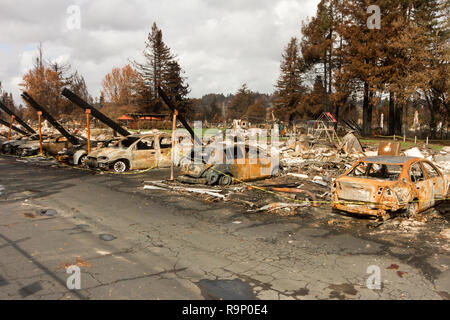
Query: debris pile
440	158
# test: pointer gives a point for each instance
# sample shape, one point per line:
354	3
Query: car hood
14	143
106	152
30	144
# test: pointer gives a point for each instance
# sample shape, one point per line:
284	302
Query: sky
219	44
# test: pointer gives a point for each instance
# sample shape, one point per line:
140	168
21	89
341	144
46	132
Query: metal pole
88	112
10	127
39	113
174	126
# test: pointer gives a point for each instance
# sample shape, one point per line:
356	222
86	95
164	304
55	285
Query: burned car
78	156
10	147
29	148
222	163
379	186
133	152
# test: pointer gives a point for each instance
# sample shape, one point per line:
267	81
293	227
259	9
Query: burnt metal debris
233	163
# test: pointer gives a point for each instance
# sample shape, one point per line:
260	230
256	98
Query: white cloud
220	44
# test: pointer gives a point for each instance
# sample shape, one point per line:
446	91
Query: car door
239	165
436	180
143	154
164	151
422	186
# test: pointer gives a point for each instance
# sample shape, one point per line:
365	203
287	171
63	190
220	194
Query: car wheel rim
226	180
119	166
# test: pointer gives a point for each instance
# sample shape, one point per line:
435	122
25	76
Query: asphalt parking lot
131	243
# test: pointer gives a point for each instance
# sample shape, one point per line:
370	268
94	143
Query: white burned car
133	152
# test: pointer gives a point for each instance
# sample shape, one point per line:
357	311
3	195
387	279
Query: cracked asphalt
172	245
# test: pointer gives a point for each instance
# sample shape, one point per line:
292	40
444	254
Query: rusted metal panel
55	145
238	164
379	192
389	148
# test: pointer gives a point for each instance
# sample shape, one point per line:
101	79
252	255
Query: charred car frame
379	186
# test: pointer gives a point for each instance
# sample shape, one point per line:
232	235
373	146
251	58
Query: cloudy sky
220	44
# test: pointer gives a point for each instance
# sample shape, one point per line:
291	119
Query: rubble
414	152
287	208
351	144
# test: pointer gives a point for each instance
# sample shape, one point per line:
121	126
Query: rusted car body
54	145
29	148
10	147
133	152
78	156
379	186
224	164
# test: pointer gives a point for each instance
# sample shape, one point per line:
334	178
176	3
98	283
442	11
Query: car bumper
94	163
28	152
366	208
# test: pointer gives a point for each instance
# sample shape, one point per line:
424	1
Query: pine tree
435	19
289	88
157	57
160	69
240	103
360	54
317	46
311	105
176	88
257	111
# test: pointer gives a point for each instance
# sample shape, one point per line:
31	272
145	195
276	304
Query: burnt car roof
390	159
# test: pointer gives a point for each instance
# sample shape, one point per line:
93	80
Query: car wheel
120	166
275	171
413	208
225	180
82	160
212	177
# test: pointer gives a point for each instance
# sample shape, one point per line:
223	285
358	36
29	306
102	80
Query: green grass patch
403	145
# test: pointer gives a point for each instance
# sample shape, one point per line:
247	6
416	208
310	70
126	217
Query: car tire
412	209
212	177
82	160
225	180
275	172
120	166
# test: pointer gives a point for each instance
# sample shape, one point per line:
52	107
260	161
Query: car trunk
356	191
